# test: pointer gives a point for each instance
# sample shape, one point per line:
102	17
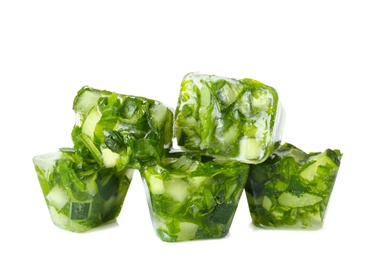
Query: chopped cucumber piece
290	200
249	149
90	122
158	115
230	136
267	203
244	106
156	185
209	198
57	197
80	210
196	181
228	94
86	100
205	97
109	158
187	231
185	164
91	184
177	189
263	101
311	171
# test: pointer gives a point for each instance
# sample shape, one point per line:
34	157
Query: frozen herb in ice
291	189
237	119
192	197
80	194
120	130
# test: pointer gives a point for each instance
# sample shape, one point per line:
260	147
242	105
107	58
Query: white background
321	56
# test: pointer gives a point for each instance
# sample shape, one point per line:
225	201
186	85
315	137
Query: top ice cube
224	117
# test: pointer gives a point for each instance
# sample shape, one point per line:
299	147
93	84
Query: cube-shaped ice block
193	197
120	130
80	195
291	189
225	117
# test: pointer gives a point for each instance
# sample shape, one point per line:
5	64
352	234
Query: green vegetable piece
80	211
223	117
193	197
80	194
119	130
291	189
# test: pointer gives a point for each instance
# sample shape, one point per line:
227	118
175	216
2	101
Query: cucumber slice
91	184
90	122
195	182
288	199
156	185
267	203
80	210
187	231
158	115
185	164
311	171
177	189
244	104
230	136
58	197
109	158
262	100
229	93
249	149
209	198
85	100
205	97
